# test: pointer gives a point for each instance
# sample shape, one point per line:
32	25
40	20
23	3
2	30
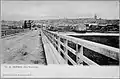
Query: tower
95	17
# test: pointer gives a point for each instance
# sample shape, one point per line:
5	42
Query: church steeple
95	16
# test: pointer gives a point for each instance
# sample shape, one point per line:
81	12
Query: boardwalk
22	49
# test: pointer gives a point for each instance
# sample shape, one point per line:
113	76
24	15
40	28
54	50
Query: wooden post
53	40
58	44
77	49
66	51
79	53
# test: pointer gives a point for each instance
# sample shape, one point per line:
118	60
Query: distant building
95	17
11	24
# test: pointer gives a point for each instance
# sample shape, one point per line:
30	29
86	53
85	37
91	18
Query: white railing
61	43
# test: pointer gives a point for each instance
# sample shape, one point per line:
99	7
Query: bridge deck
52	55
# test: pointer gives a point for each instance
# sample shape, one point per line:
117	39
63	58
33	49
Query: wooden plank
70	49
87	34
49	58
69	58
57	55
60	59
86	60
52	56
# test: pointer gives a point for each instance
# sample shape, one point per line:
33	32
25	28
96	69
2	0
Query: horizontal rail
69	58
70	49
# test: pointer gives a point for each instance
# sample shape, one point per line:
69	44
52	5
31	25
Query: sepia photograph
63	33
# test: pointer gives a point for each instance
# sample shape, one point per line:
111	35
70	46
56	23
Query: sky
35	10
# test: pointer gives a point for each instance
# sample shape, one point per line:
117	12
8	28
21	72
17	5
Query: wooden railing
72	49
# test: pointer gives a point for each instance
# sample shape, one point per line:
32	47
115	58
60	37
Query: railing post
58	44
66	51
79	53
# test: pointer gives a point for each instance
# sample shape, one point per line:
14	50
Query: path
22	49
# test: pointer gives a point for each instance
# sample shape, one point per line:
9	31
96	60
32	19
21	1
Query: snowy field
22	49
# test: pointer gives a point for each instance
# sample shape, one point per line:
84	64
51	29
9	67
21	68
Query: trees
25	24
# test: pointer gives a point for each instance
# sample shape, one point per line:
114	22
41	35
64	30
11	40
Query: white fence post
59	44
79	54
66	50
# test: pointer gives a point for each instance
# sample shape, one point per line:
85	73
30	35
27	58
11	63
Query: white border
58	71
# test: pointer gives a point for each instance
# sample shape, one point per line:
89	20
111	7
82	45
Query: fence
72	49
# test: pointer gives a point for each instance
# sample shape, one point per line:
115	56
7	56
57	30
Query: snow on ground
22	49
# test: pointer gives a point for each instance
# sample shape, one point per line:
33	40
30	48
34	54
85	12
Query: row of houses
11	24
16	24
85	27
